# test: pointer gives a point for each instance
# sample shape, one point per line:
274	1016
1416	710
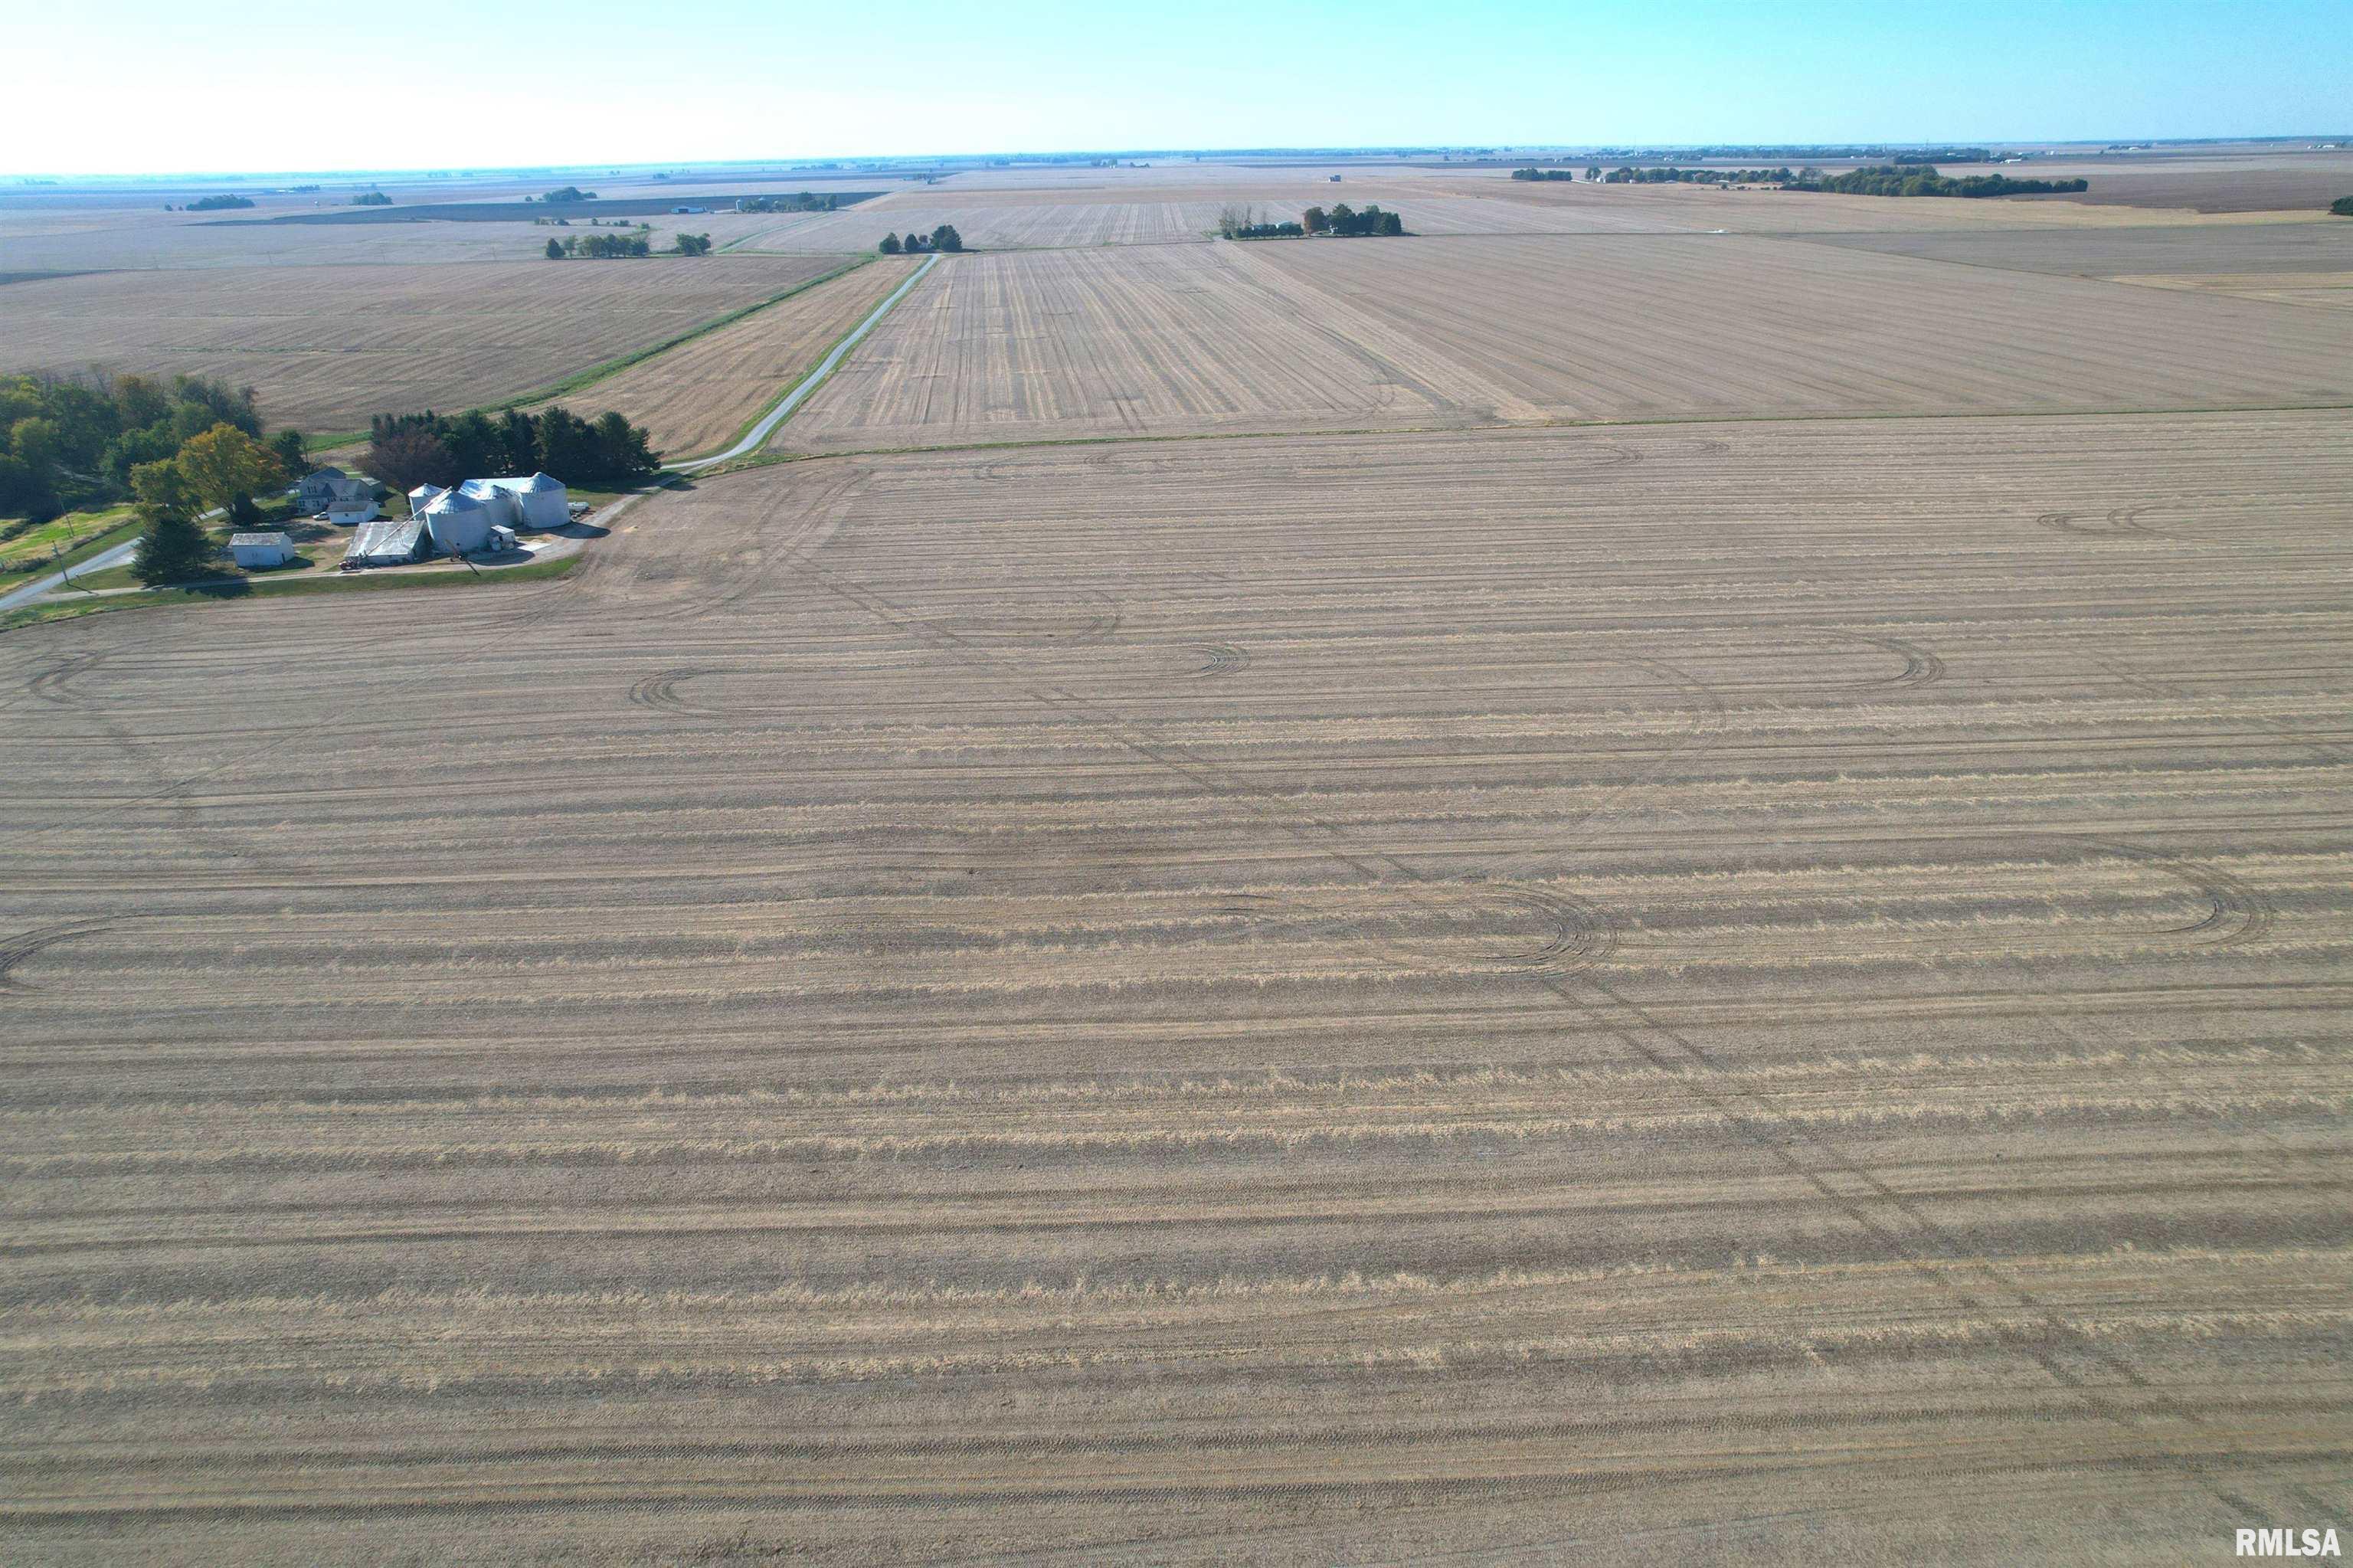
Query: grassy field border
744	430
97	544
360	582
582	380
335	440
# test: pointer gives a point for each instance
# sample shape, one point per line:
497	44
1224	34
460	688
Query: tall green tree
172	548
291	455
225	465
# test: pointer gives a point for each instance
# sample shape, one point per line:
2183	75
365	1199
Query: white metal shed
261	549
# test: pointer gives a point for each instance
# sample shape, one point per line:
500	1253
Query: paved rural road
39	585
776	416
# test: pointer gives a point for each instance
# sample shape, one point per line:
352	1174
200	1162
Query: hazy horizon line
817	163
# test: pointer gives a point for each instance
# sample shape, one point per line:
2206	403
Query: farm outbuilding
387	542
423	496
261	549
459	524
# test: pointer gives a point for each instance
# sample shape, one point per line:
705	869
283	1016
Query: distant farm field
329	346
695	397
1407	333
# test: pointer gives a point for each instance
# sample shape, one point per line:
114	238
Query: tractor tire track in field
660	690
1920	666
2117	523
14	950
1219	659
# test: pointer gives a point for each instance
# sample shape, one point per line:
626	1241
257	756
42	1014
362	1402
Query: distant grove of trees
943	237
2342	206
1243	223
371	198
69	444
217	203
1909	176
693	244
1804	151
1347	222
601	247
1890	180
567	193
804	202
1629	175
405	451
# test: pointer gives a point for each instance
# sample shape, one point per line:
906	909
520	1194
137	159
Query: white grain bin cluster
467	519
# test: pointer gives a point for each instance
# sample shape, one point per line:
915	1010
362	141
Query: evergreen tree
172	550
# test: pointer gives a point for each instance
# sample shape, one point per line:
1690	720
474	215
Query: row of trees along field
405	451
1671	176
943	237
1243	222
804	202
71	443
1891	180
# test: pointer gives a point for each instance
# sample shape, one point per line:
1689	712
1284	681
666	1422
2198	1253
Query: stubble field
694	397
1772	991
327	347
1412	334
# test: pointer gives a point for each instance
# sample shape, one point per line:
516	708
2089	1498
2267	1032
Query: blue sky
139	85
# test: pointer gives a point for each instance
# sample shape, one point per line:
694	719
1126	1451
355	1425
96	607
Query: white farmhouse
351	502
311	495
261	549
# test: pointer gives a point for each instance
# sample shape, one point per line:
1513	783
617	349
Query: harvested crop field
1154	338
329	346
1759	990
1430	333
696	397
2241	248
